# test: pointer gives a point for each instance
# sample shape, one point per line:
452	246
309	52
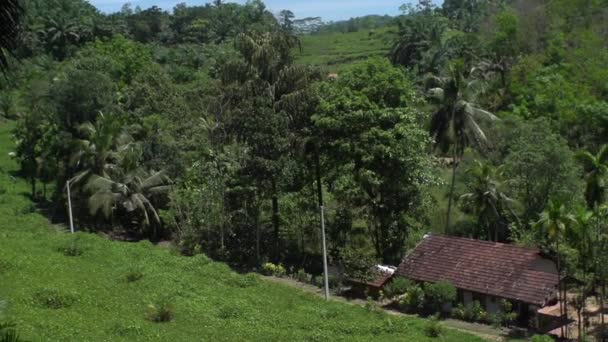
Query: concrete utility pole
70	207
325	275
322	212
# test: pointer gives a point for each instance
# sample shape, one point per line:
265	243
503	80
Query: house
372	287
487	272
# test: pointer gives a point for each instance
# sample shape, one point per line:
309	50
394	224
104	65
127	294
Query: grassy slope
335	50
211	302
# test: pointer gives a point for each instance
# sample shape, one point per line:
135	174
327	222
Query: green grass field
334	50
53	296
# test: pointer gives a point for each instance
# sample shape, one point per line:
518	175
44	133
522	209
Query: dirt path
481	330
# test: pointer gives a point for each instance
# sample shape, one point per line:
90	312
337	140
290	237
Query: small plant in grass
53	299
162	310
74	247
433	327
28	209
248	280
133	275
372	306
229	311
8	332
271	269
541	338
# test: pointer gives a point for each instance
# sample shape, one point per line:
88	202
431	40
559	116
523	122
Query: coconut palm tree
553	222
596	167
130	194
59	33
98	151
11	13
454	125
486	197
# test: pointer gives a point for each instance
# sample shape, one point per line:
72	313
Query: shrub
229	311
475	313
161	311
302	276
372	306
541	338
433	327
248	280
8	333
53	299
437	294
397	287
271	269
459	312
74	247
133	275
414	299
333	281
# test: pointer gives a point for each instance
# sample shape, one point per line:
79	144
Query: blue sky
328	9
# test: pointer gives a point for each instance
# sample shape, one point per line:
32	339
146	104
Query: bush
229	311
475	313
302	276
372	306
438	294
414	299
333	281
541	338
53	299
8	333
74	247
459	312
133	275
397	287
271	269
248	280
161	311
433	327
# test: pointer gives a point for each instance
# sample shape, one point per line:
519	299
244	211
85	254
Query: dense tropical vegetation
208	126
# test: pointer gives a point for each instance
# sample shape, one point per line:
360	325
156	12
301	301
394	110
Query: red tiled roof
496	269
378	281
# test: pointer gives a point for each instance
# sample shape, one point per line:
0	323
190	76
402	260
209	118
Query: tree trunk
559	290
33	183
256	223
454	165
275	220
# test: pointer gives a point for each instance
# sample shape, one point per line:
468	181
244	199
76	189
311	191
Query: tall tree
369	130
488	200
455	123
11	13
596	168
553	223
266	94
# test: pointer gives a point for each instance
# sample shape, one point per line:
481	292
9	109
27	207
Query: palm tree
553	222
580	236
131	194
596	167
418	34
98	151
280	91
486	197
11	13
59	33
454	124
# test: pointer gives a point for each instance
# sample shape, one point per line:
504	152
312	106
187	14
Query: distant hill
333	50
